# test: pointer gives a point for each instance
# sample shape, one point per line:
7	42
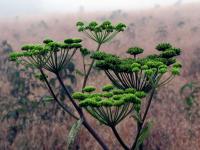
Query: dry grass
171	128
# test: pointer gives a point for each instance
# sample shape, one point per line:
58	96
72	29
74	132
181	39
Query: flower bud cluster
38	53
152	64
109	97
105	26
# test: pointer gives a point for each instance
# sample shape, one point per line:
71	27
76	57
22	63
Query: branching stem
80	112
89	70
119	138
140	126
54	96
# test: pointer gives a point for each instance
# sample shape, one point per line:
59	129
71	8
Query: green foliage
163	46
128	95
89	89
22	82
139	73
73	133
144	134
100	33
84	51
132	78
191	96
46	41
111	101
135	51
108	88
52	56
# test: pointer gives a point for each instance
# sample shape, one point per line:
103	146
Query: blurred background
28	120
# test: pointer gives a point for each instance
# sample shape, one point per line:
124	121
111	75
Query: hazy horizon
33	7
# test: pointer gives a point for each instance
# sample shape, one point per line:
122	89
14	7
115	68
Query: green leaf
79	73
189	85
190	101
144	134
47	99
73	133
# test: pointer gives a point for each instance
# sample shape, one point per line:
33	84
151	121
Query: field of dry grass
172	130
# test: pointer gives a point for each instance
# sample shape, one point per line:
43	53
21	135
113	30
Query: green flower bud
163	46
162	70
168	54
98	29
117	91
76	45
175	71
89	102
118	103
145	67
107	95
94	95
140	94
135	51
25	48
93	24
89	89
176	50
171	61
120	27
13	56
69	41
46	41
81	29
135	65
130	90
117	97
77	40
84	51
108	87
106	103
129	98
102	56
79	24
112	60
135	69
102	64
177	65
79	96
149	72
106	23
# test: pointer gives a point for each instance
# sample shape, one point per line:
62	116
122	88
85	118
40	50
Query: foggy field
175	126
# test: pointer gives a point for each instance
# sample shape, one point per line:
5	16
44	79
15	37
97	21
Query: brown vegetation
172	130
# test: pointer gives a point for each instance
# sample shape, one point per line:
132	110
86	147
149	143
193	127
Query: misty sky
21	7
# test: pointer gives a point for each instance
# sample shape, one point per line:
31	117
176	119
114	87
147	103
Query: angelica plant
53	56
133	79
101	34
144	74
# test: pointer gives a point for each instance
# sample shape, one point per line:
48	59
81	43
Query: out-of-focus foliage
25	105
190	94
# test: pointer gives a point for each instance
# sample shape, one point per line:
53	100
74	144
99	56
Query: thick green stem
140	126
89	70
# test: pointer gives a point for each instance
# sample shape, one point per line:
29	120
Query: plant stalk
89	70
140	126
119	138
54	96
79	110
